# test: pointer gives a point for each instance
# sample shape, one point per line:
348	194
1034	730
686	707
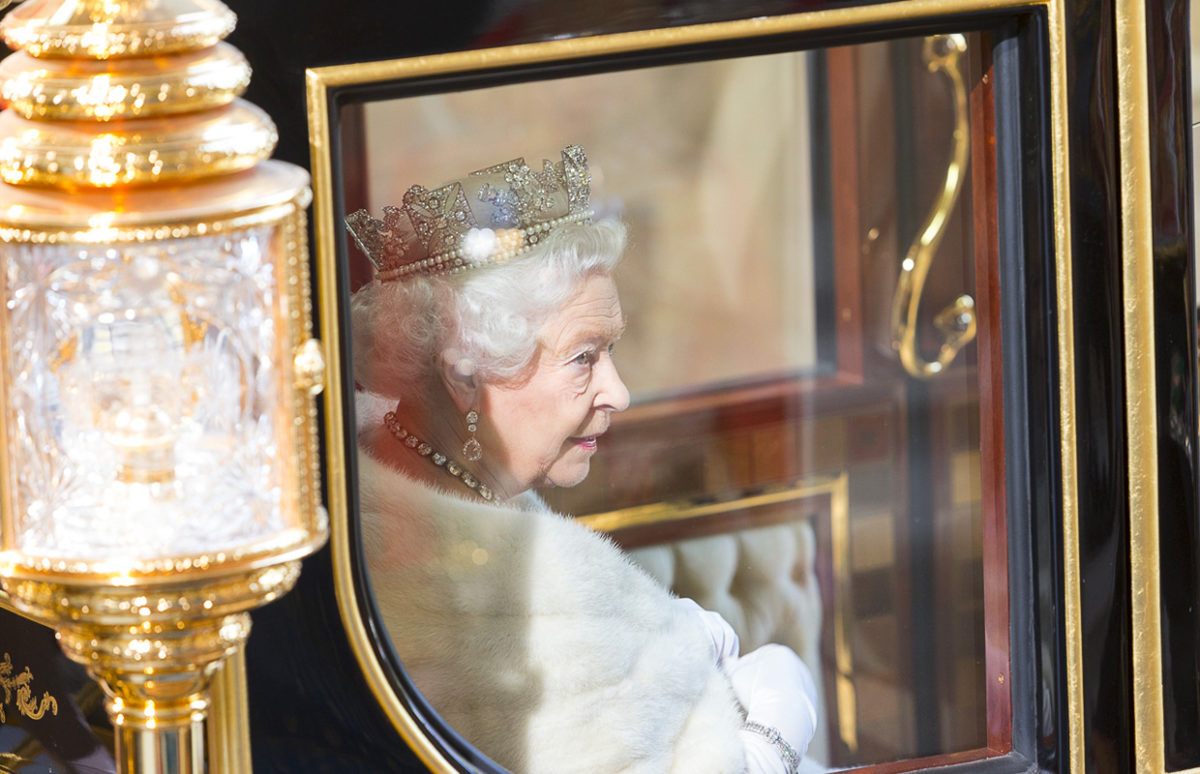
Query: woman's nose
613	394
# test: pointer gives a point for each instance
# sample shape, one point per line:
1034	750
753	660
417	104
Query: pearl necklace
422	448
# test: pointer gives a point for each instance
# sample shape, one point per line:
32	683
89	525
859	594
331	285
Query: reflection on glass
762	450
489	331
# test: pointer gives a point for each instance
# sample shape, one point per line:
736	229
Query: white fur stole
538	640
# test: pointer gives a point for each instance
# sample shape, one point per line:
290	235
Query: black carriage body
310	707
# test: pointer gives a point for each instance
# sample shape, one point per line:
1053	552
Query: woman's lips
587	442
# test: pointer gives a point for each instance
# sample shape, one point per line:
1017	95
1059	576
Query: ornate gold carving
11	763
305	440
25	703
134	605
153	648
193	328
955	323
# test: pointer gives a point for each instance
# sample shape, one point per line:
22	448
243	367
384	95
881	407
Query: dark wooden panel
1100	383
1175	360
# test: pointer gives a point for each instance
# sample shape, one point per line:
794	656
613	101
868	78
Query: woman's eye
584	358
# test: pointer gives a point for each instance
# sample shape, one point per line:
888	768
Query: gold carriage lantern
158	436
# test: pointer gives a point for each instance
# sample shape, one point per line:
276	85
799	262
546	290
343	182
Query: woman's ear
462	383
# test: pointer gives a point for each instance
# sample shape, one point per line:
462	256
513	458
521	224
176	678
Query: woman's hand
777	690
724	639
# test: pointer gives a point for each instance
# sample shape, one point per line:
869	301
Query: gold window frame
1050	14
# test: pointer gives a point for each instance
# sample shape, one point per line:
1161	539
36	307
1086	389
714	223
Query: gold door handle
955	323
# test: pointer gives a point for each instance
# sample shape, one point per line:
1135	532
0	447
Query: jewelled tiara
489	216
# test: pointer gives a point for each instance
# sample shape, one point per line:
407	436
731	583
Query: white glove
777	690
724	639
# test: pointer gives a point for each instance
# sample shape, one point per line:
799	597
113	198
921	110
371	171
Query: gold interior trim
1137	287
655	513
839	531
321	80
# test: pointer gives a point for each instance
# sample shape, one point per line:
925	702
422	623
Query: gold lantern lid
103	29
108	94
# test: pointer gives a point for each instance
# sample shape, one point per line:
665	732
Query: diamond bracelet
791	758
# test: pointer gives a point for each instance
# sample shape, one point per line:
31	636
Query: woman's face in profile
544	431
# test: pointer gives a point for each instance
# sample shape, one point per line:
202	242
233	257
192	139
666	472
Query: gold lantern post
158	462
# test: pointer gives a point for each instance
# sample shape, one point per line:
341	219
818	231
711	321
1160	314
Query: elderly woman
488	331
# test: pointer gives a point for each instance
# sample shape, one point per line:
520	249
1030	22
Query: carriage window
808	337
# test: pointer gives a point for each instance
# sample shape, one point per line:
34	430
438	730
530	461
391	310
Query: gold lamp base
153	650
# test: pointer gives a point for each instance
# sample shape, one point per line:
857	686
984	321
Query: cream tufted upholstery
763	582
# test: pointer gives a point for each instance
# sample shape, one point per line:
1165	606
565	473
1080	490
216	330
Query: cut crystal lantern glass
147	381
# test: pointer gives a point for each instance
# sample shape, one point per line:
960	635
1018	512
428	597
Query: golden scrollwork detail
955	323
25	703
11	763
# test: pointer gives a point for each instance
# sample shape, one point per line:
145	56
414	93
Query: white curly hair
491	315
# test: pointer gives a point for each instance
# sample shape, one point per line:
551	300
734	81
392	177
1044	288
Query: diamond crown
489	216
